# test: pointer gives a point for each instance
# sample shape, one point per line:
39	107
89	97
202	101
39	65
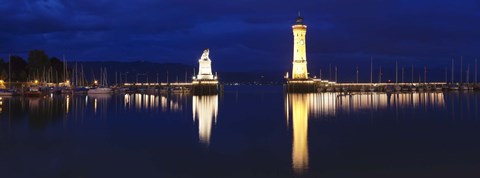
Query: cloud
244	34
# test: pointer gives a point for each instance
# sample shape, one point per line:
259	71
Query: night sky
245	35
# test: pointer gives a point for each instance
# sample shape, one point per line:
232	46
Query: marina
229	89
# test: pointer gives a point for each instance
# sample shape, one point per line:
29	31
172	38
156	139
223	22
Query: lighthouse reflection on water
299	108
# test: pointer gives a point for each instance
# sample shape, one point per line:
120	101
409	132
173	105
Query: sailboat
453	86
102	88
397	87
372	88
4	91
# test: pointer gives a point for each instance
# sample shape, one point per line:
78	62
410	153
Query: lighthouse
299	82
299	70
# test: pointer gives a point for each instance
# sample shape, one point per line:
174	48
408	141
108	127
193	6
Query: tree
18	66
3	65
37	62
3	75
57	67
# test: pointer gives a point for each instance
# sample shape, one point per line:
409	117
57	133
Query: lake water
249	131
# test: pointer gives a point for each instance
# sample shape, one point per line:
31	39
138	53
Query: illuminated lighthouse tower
299	50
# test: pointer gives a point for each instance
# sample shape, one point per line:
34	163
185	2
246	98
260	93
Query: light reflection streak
163	101
205	110
100	103
126	101
67	104
300	111
95	105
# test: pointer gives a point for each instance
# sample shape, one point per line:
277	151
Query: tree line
38	66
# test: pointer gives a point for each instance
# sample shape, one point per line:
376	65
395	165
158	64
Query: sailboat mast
10	71
403	74
106	77
330	72
101	76
461	69
371	70
357	74
83	77
476	71
412	73
446	75
380	75
453	64
336	74
396	71
425	74
76	73
64	69
468	73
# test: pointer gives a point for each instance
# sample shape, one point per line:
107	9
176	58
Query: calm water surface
246	132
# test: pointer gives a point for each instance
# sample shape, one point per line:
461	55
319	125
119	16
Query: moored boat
5	92
100	90
412	88
33	92
453	87
428	88
398	88
180	90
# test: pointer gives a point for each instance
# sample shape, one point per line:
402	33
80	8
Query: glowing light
36	81
95	82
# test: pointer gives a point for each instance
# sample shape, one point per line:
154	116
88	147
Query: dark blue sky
245	34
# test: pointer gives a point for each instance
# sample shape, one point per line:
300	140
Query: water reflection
205	110
331	104
100	102
328	105
300	110
149	102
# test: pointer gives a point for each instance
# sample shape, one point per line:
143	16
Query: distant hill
142	71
